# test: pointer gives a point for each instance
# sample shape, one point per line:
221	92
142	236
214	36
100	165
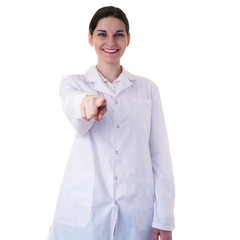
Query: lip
110	51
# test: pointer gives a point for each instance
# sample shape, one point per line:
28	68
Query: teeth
110	51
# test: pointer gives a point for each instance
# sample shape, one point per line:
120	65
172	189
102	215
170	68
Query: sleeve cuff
163	227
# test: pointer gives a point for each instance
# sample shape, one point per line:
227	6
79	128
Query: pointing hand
93	107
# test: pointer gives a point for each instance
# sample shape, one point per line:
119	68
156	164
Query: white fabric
119	174
112	85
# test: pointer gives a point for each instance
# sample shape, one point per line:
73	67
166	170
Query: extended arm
72	97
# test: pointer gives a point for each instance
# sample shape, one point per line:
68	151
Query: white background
189	48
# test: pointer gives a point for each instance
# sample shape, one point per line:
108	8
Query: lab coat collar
92	76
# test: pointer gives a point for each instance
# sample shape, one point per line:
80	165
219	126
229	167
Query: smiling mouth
110	51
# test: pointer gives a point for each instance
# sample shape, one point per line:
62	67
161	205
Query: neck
110	71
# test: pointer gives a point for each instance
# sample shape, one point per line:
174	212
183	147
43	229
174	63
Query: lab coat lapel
100	86
93	77
126	81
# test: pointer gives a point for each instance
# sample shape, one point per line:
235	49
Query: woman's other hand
164	235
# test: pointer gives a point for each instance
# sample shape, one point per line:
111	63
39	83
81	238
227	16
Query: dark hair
108	12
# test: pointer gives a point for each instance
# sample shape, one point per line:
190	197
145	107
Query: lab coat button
117	126
115	179
116	102
116	152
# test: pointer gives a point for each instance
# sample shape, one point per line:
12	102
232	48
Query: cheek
124	46
97	45
97	49
124	43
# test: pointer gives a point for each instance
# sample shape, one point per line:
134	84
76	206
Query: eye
119	35
102	34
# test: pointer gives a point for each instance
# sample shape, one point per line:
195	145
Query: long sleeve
162	169
72	97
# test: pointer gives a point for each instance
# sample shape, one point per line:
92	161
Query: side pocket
75	198
145	203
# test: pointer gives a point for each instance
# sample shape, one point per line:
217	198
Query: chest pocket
141	112
75	198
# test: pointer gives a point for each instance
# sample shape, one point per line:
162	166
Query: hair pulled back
108	12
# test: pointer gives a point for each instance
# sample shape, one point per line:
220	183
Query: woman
118	183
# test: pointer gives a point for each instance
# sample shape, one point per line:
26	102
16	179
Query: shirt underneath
112	85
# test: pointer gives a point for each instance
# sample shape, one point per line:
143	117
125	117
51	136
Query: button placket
116	150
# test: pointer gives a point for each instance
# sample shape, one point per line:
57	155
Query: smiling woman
118	183
110	40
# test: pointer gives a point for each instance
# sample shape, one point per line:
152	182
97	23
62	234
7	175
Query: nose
111	41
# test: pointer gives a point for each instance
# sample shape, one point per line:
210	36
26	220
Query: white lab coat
118	182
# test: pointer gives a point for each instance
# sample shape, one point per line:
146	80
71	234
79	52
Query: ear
90	41
128	39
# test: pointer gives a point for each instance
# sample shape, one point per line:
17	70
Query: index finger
101	102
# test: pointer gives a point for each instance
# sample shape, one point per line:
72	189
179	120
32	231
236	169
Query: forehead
110	24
